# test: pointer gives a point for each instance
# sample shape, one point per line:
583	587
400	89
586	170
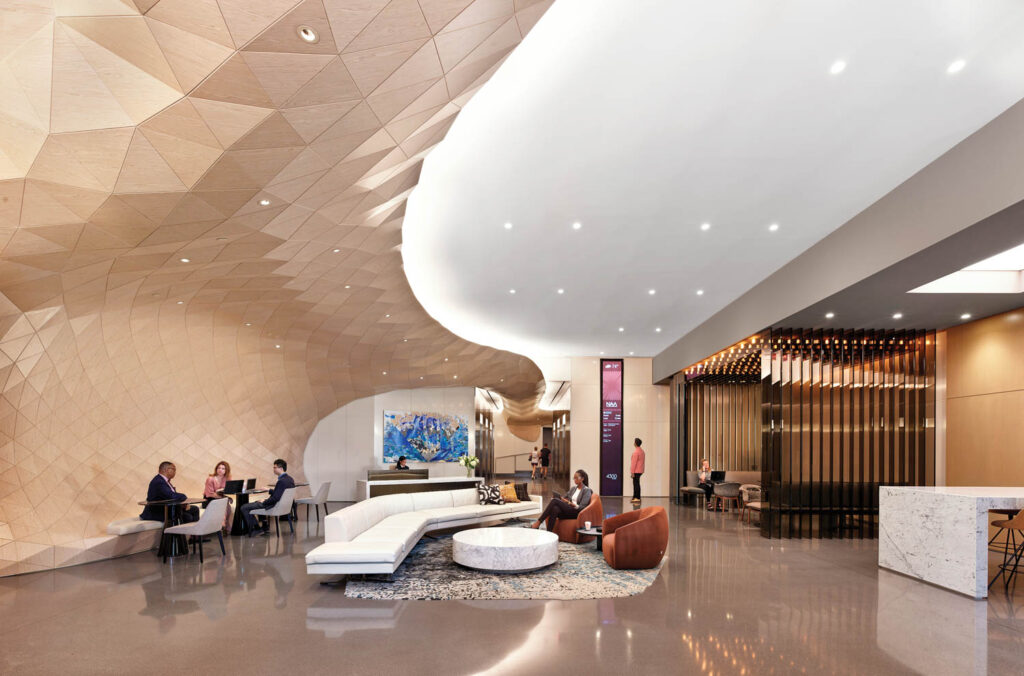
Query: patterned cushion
489	495
508	493
522	493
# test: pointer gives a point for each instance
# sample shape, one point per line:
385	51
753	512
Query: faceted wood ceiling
135	136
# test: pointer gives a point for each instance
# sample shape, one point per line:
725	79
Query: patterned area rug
429	573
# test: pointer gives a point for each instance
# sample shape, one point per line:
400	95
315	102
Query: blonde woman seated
567	506
214	485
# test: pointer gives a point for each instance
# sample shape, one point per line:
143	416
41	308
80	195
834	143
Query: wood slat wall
844	412
724	425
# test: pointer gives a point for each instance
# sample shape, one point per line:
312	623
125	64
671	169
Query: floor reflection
727	602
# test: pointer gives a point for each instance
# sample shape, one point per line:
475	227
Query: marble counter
940	534
368	489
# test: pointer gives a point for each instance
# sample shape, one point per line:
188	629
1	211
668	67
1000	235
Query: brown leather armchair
636	539
566	528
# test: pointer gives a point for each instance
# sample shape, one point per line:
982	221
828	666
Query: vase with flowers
470	462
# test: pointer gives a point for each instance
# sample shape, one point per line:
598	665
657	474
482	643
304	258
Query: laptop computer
233	486
717	476
251	483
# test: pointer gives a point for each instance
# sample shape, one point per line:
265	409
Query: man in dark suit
284	482
160	488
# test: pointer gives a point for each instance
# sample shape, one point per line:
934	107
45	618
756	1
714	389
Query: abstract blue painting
425	437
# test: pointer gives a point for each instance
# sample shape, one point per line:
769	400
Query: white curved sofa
375	535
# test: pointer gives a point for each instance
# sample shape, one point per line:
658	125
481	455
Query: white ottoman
505	550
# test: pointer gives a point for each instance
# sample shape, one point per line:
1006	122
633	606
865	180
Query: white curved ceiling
643	120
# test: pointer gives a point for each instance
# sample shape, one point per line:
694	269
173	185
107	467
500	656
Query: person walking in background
545	460
534	459
636	468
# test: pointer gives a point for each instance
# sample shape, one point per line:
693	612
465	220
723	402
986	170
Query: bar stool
1012	526
1001	547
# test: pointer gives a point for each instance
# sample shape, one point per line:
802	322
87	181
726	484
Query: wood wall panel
985	402
143	135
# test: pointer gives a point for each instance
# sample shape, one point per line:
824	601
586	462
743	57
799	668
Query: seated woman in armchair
567	506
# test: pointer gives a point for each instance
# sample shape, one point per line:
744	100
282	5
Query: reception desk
940	534
371	489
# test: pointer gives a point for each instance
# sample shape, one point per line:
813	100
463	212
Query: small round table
595	531
177	546
505	550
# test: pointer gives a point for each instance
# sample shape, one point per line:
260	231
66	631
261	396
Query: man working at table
160	488
284	482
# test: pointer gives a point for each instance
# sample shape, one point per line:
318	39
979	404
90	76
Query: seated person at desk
160	488
704	481
283	482
567	506
401	464
215	486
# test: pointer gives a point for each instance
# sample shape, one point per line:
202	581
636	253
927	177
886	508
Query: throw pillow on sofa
489	495
508	493
522	493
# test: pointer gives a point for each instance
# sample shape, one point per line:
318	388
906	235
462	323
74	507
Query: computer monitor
251	483
233	486
717	476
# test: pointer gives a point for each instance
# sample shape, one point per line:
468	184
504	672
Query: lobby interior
785	238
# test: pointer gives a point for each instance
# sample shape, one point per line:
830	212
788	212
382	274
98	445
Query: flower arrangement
469	462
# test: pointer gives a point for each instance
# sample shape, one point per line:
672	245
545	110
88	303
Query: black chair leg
325	509
199	544
277	523
220	537
307	513
291	525
317	513
164	546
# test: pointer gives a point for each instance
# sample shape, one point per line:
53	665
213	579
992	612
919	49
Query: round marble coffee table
505	550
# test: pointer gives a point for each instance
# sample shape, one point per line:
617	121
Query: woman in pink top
214	485
636	468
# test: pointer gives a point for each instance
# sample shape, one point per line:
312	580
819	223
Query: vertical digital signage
611	427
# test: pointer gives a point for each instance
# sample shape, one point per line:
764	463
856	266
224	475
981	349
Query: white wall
507	445
350	441
645	414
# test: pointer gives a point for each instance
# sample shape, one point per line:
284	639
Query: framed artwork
425	437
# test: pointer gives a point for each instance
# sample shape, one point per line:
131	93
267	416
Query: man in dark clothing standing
545	460
160	488
284	482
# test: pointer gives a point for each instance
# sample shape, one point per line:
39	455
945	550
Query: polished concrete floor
726	602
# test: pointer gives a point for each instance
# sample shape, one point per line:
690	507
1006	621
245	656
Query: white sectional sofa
375	535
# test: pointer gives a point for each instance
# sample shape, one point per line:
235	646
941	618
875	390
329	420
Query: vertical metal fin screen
843	412
724	425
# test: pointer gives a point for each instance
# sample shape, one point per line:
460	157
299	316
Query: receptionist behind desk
401	463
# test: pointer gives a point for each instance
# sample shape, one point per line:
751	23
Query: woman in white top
567	506
534	459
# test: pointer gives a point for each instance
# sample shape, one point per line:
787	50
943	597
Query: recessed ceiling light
278	347
421	377
773	227
511	290
898	315
577	225
651	292
348	286
700	292
705	226
264	203
601	353
956	66
455	377
508	226
387	316
561	291
185	260
383	373
181	302
657	329
621	329
308	34
405	340
837	67
830	315
502	380
336	250
221	239
446	358
965	315
248	323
